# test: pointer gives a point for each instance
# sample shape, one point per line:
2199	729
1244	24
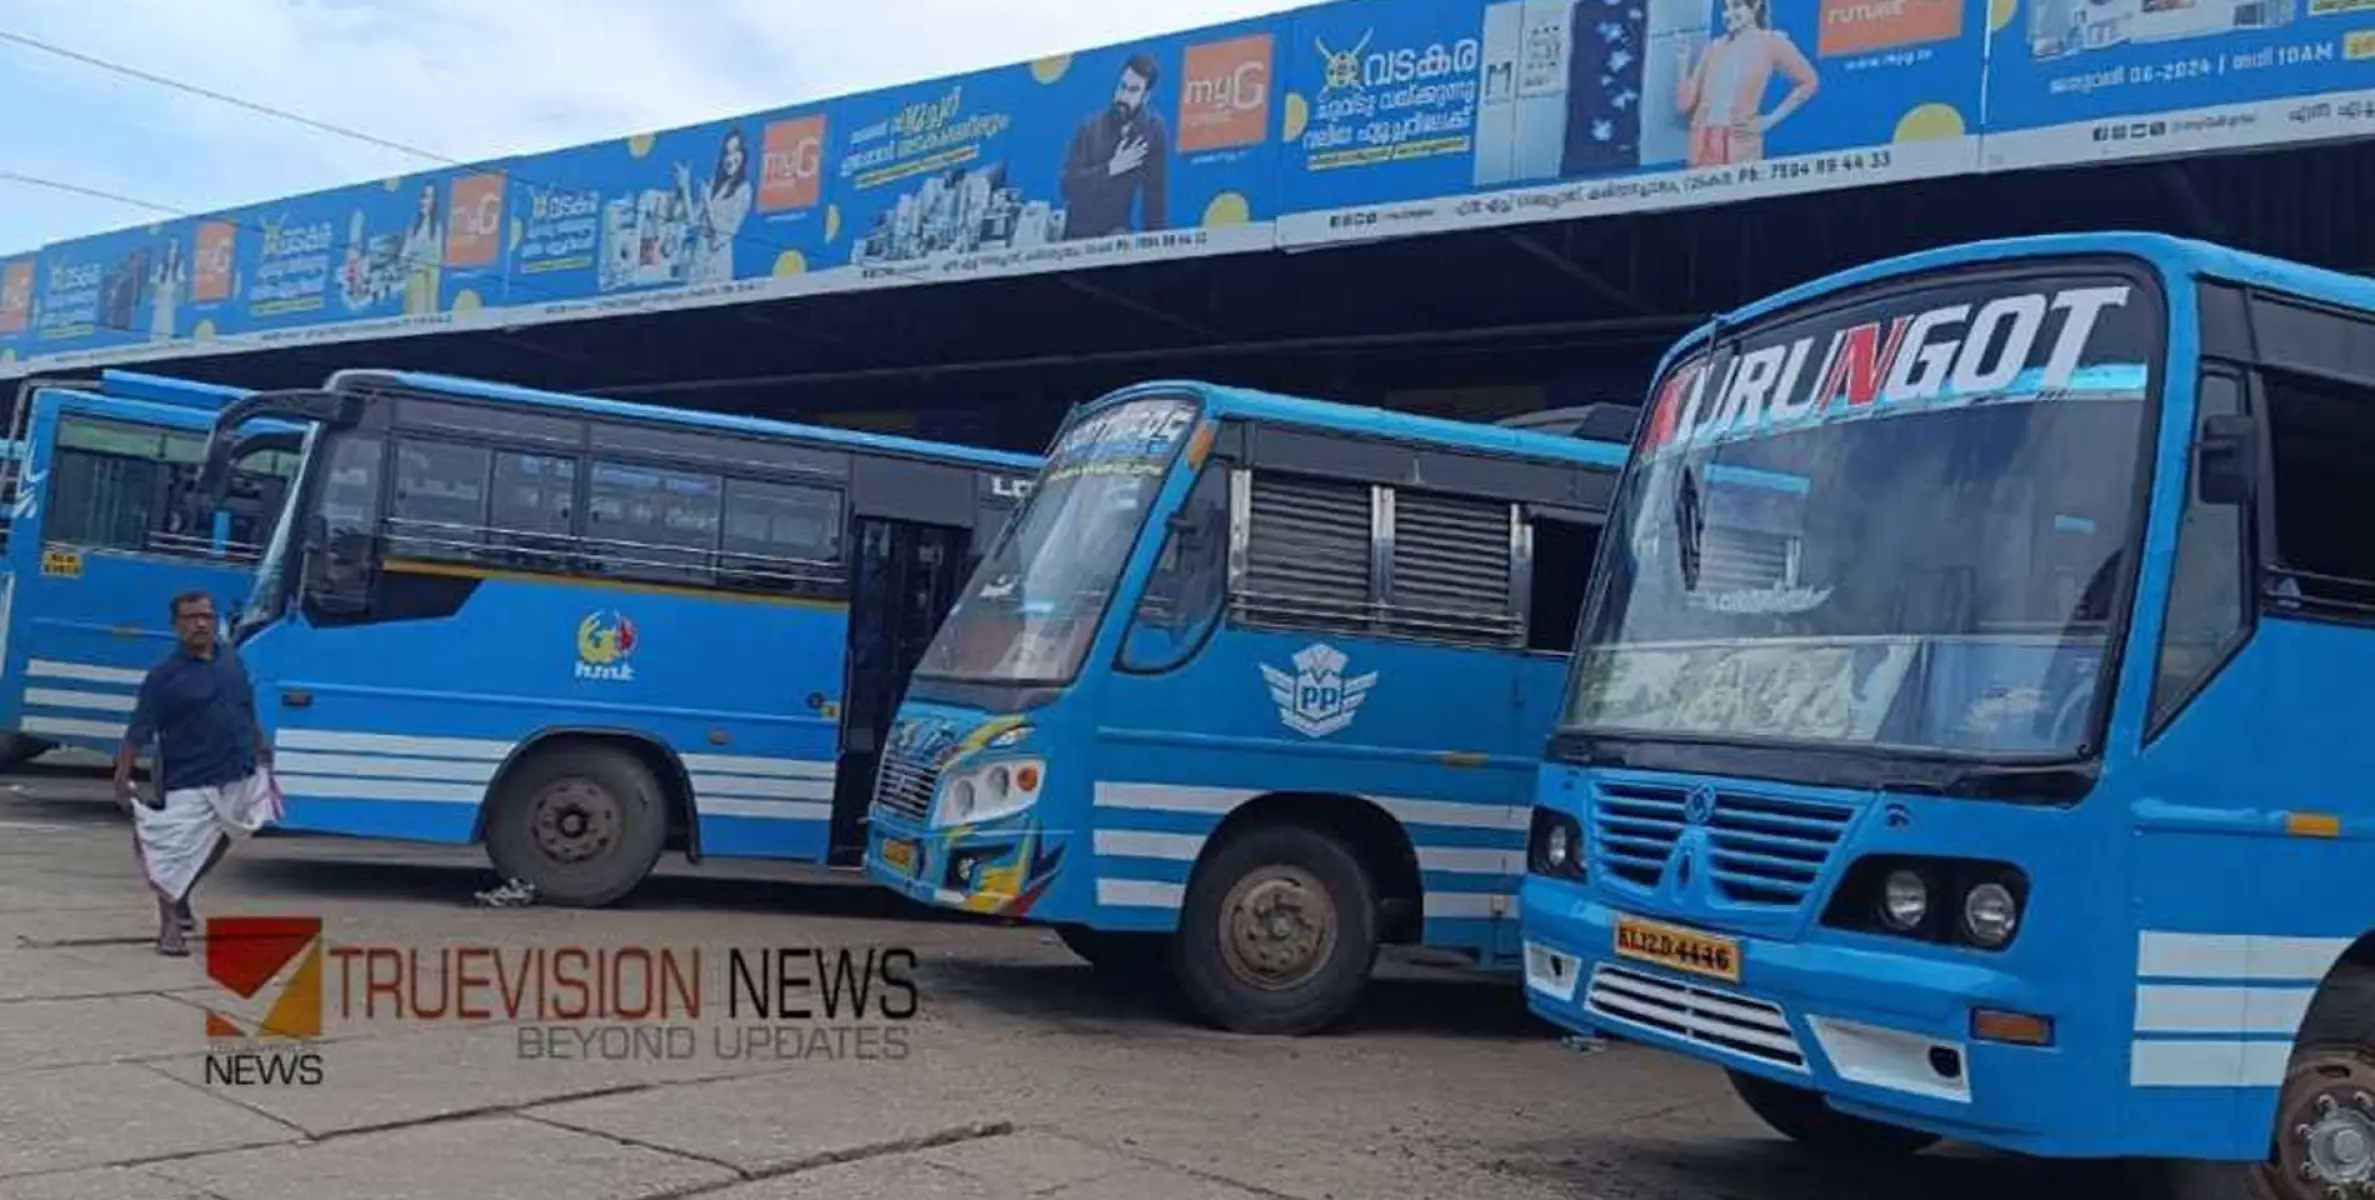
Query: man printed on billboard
1120	155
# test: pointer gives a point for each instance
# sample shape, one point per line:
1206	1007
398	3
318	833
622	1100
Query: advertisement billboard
1335	123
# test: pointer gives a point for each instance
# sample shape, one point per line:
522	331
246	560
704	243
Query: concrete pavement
1025	1075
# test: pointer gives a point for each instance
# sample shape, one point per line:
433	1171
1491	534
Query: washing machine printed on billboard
691	211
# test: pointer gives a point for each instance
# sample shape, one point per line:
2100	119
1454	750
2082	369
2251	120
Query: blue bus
100	533
2014	805
1252	687
584	632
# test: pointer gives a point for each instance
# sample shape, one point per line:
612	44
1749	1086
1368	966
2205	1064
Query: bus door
905	579
912	530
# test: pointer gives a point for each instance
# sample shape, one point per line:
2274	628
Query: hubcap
574	820
2326	1147
1278	927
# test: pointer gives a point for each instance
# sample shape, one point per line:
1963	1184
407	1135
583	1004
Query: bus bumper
1883	1036
1002	868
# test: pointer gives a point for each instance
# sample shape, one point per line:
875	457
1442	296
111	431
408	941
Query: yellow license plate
1681	949
899	854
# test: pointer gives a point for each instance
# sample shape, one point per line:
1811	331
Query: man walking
213	777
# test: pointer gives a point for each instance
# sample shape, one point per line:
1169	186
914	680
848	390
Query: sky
465	79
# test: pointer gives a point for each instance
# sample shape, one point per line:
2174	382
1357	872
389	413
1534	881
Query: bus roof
455	385
1224	400
2175	257
142	409
164	389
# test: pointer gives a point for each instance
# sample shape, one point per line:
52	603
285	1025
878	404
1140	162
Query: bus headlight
1990	914
1904	900
1554	847
991	791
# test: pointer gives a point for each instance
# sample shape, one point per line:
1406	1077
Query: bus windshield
1899	523
1033	605
271	571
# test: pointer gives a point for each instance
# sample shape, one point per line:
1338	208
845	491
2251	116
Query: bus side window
1563	553
106	484
2206	578
441	500
1184	591
2320	434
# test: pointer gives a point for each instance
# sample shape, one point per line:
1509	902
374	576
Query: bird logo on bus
1317	699
605	641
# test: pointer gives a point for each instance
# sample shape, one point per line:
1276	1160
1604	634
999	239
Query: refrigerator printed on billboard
1422	117
117	289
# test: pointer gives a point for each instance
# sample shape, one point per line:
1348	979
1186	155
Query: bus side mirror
2226	459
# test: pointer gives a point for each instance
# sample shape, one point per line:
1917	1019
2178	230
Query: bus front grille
1721	1020
1762	850
905	787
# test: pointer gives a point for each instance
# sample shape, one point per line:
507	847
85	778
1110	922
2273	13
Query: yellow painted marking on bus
1462	758
2316	825
1200	445
61	562
407	566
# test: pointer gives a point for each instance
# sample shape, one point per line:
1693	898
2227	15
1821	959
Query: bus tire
582	824
1278	932
17	750
1130	956
2327	1101
1803	1117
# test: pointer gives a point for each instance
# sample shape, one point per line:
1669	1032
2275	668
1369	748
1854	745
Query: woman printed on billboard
1721	93
423	252
717	206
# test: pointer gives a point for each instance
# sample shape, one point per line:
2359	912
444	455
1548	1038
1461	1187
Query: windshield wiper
1689	527
2054	781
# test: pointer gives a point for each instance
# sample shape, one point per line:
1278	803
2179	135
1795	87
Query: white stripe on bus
92	701
763	789
2257	958
1445	906
1466	860
1215	801
1185	847
107	731
2174	1008
388	743
86	672
1140	893
367	766
2206	1064
772	810
1458	906
1131	843
414	791
736	764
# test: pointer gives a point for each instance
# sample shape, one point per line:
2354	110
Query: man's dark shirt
1099	203
202	714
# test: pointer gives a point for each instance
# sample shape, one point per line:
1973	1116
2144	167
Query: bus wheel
1278	933
1801	1116
583	825
2324	1140
16	749
1130	956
